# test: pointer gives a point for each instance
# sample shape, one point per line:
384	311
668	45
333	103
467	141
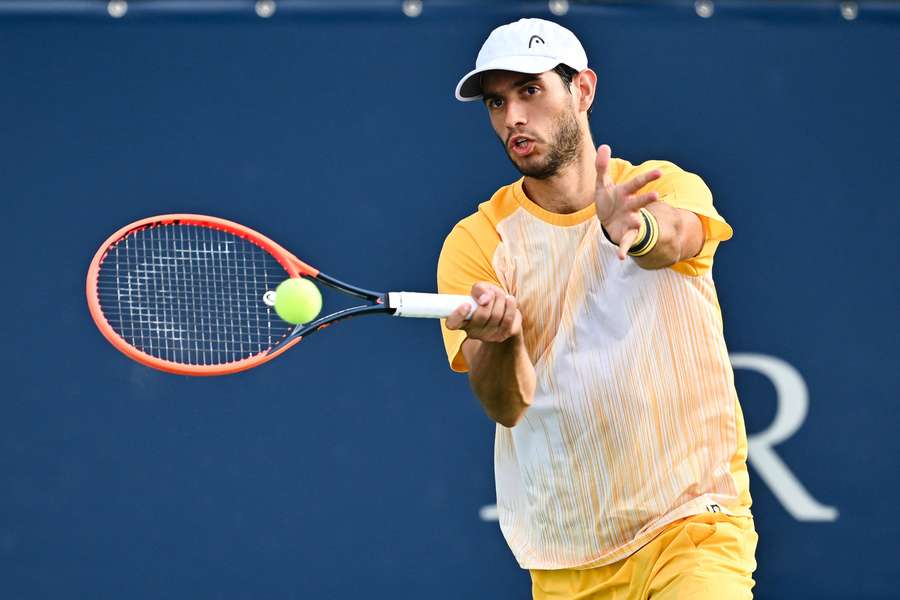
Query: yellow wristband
648	235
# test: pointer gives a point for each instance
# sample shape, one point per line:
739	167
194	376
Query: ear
586	84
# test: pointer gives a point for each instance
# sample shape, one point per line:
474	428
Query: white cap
526	46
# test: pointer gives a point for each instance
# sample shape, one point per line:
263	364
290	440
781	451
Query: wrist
648	236
510	343
493	347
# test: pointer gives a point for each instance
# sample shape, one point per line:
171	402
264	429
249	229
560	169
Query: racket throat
372	296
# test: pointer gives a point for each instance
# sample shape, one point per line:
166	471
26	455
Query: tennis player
620	450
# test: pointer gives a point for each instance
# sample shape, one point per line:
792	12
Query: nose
515	115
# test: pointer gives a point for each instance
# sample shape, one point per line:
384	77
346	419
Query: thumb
482	290
602	160
626	242
601	163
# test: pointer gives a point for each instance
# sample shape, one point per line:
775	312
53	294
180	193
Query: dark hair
567	73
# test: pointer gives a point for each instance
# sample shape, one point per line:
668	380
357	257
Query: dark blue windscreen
336	133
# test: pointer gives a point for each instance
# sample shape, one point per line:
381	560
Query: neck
572	188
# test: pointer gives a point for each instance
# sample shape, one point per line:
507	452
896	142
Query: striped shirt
635	421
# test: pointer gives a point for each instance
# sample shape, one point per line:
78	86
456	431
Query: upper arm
464	261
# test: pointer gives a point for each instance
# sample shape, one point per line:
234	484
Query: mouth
520	145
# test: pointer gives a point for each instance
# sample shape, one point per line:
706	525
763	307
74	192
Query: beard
564	145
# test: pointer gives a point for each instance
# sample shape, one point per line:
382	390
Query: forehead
495	82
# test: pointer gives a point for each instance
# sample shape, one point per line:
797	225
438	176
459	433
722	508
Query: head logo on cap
526	46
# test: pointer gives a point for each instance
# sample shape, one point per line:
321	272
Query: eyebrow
517	84
528	79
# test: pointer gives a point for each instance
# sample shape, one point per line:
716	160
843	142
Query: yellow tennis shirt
635	422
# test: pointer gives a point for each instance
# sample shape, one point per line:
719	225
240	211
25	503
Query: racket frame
293	266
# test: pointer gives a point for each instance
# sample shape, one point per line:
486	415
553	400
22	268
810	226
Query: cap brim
469	87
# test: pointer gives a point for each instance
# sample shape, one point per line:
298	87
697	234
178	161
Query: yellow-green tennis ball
297	300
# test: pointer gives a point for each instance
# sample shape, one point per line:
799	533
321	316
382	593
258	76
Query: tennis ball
297	300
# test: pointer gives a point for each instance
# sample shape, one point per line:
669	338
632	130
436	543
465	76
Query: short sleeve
685	190
464	261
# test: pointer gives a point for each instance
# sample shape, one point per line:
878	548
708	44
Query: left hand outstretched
618	206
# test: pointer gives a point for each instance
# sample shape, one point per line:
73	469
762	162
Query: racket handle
428	306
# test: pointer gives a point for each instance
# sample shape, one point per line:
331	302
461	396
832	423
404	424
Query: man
597	346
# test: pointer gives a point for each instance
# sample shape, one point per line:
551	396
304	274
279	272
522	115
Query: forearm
680	237
502	377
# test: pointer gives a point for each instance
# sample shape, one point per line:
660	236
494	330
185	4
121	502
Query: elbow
508	423
509	418
507	410
505	400
510	410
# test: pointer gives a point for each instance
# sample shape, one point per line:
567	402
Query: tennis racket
193	295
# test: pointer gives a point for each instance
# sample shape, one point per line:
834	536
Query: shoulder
675	186
480	228
669	171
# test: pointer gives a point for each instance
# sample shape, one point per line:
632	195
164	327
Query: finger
602	161
641	200
482	294
483	312
497	310
467	309
636	183
509	316
480	288
457	319
606	200
626	242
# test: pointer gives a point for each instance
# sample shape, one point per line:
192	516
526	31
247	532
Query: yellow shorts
708	556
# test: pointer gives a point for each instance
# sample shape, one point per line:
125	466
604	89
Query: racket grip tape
428	306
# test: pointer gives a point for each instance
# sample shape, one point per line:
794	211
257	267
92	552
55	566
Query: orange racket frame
292	265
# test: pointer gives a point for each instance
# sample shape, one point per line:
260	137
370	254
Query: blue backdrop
358	465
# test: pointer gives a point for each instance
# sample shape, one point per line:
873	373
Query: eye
531	90
495	102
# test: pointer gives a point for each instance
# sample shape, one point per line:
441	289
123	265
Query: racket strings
191	294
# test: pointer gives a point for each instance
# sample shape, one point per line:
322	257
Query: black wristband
641	244
606	235
651	235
